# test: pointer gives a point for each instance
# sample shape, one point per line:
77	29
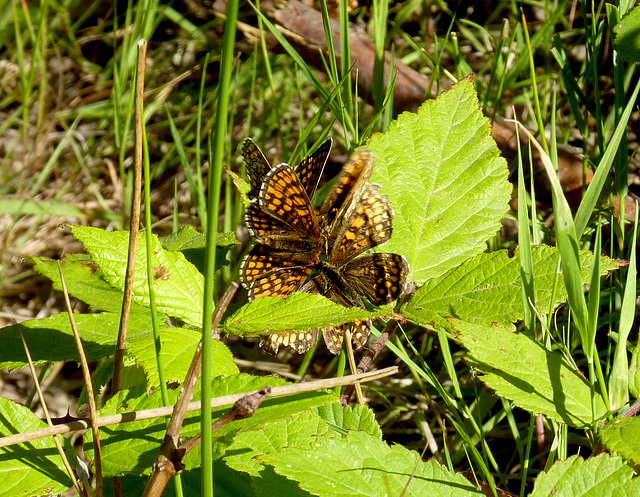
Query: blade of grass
306	70
567	242
380	14
196	186
345	55
524	249
619	378
215	181
601	174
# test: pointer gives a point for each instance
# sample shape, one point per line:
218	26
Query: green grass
67	138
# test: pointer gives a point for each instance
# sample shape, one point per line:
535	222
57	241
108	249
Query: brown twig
243	408
134	224
352	365
293	389
86	374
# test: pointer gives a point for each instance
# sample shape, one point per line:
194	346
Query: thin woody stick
309	386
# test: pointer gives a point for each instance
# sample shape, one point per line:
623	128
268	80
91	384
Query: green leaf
51	339
535	379
360	464
269	314
623	436
32	468
487	288
445	179
85	283
599	476
193	243
178	348
179	285
625	39
130	448
342	419
300	430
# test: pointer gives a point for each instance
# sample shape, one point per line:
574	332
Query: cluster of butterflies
299	249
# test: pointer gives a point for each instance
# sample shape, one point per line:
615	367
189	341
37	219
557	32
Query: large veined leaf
445	179
575	477
178	284
298	312
522	370
623	436
32	468
486	288
364	465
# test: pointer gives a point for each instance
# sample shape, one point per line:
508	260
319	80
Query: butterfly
291	239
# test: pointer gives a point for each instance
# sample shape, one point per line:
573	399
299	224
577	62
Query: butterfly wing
368	226
257	165
379	277
310	168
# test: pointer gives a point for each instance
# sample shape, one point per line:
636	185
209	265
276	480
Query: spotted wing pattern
368	226
300	341
290	239
283	197
349	185
380	277
257	165
288	236
348	275
308	171
310	168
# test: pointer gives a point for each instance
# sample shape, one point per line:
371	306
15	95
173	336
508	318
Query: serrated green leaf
299	431
179	286
130	448
445	179
32	468
535	379
51	339
298	312
341	419
178	347
84	283
360	464
596	477
623	436
625	39
486	288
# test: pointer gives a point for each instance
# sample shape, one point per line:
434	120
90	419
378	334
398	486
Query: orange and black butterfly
291	239
284	224
288	236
